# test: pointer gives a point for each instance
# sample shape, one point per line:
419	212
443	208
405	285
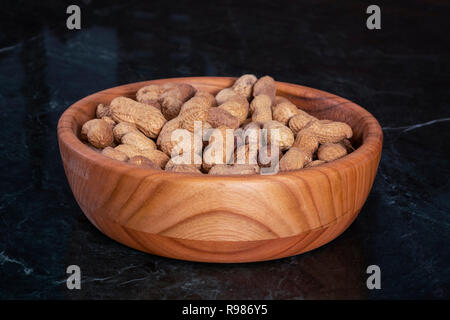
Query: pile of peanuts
238	121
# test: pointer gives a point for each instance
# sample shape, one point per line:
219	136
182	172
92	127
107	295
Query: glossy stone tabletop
400	74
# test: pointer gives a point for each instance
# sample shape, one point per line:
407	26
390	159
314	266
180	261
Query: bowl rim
372	136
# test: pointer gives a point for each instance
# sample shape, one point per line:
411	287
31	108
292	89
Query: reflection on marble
399	73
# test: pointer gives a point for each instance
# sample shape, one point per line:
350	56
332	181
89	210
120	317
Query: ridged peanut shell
330	132
193	115
98	132
300	121
158	157
115	154
244	85
283	112
102	111
220	117
123	128
138	140
306	141
168	128
279	99
286	137
262	112
224	95
331	151
237	106
293	159
109	120
172	99
261	100
149	94
207	97
265	85
147	118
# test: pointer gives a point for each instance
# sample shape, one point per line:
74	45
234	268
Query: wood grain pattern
222	218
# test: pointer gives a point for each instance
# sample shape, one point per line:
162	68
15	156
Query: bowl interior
320	104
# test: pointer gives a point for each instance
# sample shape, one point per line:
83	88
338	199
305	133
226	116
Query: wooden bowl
222	218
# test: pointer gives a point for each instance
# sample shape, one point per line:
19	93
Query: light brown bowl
222	218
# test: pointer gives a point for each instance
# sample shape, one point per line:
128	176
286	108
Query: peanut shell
115	154
147	118
293	159
98	132
244	85
331	151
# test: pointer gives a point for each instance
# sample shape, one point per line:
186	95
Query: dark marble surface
400	74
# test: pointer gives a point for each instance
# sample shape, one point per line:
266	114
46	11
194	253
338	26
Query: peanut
262	99
262	111
236	106
147	118
167	129
220	117
138	140
306	141
331	151
98	132
208	97
284	111
141	161
286	137
173	98
265	85
279	99
176	143
109	120
196	109
224	95
149	94
300	120
244	85
115	154
158	157
123	128
102	111
293	159
330	132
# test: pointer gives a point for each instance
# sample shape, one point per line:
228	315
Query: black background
399	73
